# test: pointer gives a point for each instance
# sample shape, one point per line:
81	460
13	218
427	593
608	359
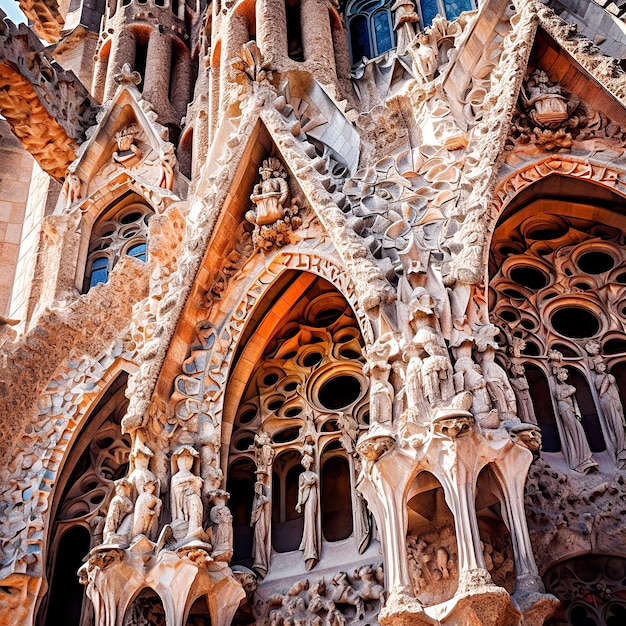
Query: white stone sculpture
575	445
406	17
498	385
147	512
72	188
263	451
186	491
120	507
140	474
307	500
468	377
381	390
260	521
437	375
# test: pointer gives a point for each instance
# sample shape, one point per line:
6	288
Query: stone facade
313	313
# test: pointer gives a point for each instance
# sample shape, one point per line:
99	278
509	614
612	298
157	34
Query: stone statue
140	474
186	491
498	385
437	375
468	377
575	446
270	195
126	148
120	507
263	451
307	499
260	521
612	409
71	188
222	525
414	385
519	382
381	390
425	57
147	511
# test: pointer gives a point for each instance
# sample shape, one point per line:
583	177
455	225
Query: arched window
291	469
370	26
557	294
450	9
99	457
115	234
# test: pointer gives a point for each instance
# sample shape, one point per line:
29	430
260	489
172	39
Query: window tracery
79	517
370	28
293	439
558	293
124	231
450	9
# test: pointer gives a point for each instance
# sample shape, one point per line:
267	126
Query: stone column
157	79
100	73
181	81
122	51
271	34
317	39
237	33
458	481
514	470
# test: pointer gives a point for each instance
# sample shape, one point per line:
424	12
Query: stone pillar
317	39
157	79
517	463
271	34
122	51
237	33
100	74
181	80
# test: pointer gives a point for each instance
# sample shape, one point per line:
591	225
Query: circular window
595	262
247	416
614	346
270	379
529	277
575	322
339	392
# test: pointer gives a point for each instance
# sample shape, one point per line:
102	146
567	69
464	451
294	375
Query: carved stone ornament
274	218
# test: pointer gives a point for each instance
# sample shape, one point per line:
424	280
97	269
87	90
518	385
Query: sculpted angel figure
437	374
307	499
498	385
186	490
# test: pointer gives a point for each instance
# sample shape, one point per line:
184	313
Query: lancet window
99	458
558	294
116	233
291	461
370	28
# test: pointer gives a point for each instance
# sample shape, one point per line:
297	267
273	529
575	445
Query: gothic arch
296	392
556	287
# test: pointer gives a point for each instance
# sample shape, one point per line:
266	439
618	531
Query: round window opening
339	392
595	262
529	277
574	322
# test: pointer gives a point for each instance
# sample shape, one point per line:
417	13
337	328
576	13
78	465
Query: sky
12	9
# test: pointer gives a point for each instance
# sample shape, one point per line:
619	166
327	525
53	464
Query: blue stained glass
99	271
359	38
430	9
455	8
138	251
382	29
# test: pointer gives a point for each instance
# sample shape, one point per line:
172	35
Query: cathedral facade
313	313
